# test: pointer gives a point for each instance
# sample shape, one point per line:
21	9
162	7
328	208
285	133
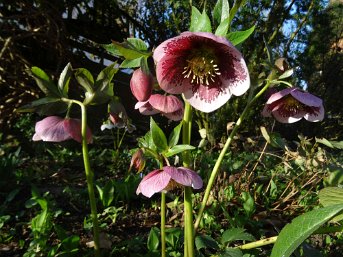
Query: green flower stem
223	152
89	175
163	224
188	208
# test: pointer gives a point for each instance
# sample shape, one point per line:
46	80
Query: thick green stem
223	152
89	175
90	182
163	224
188	206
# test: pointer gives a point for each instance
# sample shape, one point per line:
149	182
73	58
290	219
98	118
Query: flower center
201	68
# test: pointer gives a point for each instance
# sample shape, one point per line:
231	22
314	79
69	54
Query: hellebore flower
137	160
168	178
206	68
168	105
57	129
292	104
141	85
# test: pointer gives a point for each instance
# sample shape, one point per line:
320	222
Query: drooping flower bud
137	160
141	85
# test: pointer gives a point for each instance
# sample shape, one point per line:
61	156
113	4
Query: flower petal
315	117
73	128
154	182
278	95
51	129
165	104
147	109
307	98
288	119
184	176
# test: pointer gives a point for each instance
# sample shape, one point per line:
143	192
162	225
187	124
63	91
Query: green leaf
85	79
286	74
134	63
153	239
138	43
44	82
31	107
200	22
71	243
205	241
235	234
144	65
331	144
331	196
178	149
175	135
223	28
248	203
235	7
221	11
293	234
63	82
231	252
238	37
265	134
112	49
158	137
129	50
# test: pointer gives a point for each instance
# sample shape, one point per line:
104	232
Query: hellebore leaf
331	196
205	241
200	22
175	135
158	137
44	82
111	49
134	63
138	43
235	234
223	28
238	37
63	82
294	233
31	107
128	49
85	79
221	11
178	149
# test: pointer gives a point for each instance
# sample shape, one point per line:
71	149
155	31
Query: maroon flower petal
154	182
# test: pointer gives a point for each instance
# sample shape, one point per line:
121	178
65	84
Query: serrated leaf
63	81
231	252
235	234
138	43
44	82
331	196
31	107
158	137
134	63
205	241
129	51
175	135
178	149
221	11
223	28
112	49
85	79
237	37
200	22
293	234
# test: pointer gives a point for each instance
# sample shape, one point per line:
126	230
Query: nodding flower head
206	68
57	129
141	85
168	178
292	104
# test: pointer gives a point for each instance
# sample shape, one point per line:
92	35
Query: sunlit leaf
237	37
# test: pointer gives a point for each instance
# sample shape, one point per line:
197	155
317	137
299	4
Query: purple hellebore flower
206	68
168	178
168	105
292	104
141	85
57	129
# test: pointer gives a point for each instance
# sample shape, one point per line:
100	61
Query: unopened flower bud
281	64
138	161
141	85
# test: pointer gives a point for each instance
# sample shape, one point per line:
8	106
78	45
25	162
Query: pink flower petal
165	104
73	127
154	182
307	98
51	129
175	116
147	109
315	117
141	85
278	95
184	176
288	119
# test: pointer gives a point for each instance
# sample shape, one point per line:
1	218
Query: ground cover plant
199	177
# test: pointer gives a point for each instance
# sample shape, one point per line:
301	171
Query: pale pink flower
292	104
206	68
168	178
57	129
168	105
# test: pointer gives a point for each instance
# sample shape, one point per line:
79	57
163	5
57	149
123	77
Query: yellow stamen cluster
201	70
